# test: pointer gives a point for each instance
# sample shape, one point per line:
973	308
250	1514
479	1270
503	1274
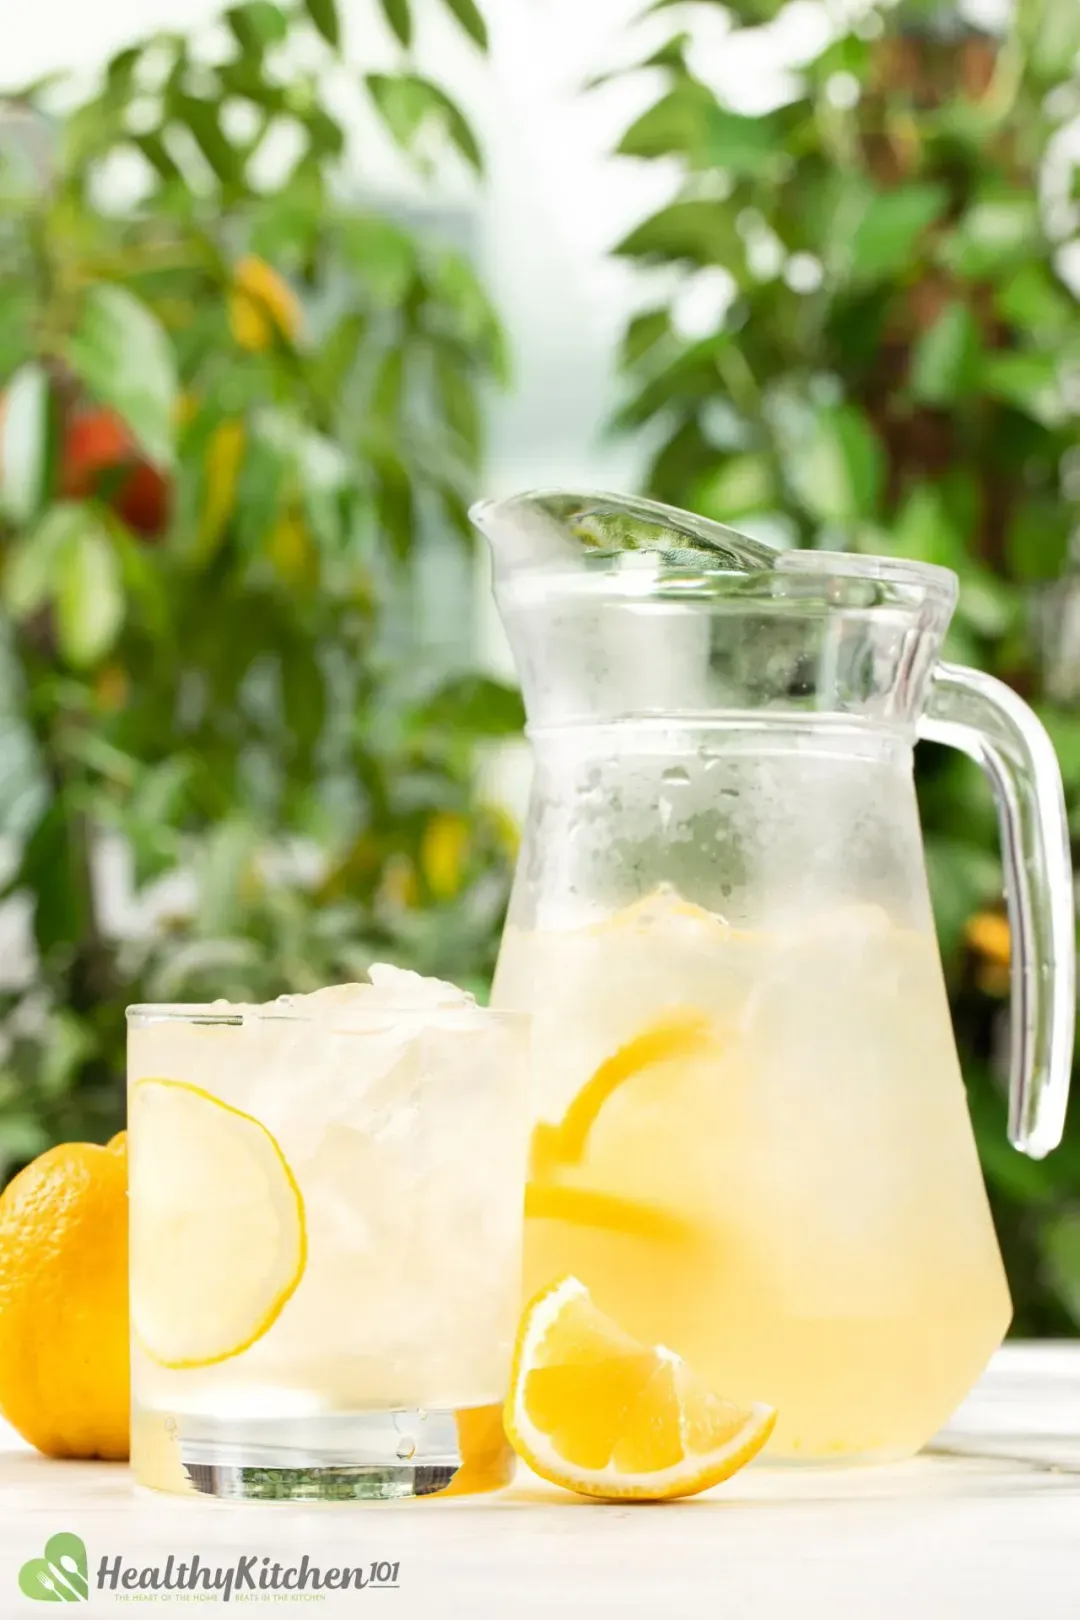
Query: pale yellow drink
325	1241
769	1166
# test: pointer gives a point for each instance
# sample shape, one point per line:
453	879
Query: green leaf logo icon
60	1576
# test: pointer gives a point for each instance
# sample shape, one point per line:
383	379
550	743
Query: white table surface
986	1525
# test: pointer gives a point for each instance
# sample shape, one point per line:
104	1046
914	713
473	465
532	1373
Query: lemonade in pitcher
751	1138
718	1158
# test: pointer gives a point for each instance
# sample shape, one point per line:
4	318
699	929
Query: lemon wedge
594	1410
218	1241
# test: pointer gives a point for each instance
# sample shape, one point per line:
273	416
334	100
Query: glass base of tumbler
338	1457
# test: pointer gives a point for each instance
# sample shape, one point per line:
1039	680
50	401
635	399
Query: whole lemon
64	1373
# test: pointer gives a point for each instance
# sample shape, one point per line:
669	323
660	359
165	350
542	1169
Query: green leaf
945	360
326	137
471	19
964	879
740	485
394	501
287	224
260	492
473	705
246	76
399	17
643	333
67	1045
324	14
839	472
924	531
156	154
1054	44
999	228
24	787
123	355
89	594
24	442
54	874
381	254
888	237
323	470
688	121
675	124
337	355
1063	726
1029	382
256	25
120	72
1036	304
1059	1240
459	308
203	119
460	408
224	868
19	314
388	389
1037	542
407	102
34	560
698	232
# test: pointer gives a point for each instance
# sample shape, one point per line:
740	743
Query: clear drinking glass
326	1212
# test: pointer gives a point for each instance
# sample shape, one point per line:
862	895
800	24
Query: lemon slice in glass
218	1241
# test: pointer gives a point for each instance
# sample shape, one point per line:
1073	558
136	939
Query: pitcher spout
556	531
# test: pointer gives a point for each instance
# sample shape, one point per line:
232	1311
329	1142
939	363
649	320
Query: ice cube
409	989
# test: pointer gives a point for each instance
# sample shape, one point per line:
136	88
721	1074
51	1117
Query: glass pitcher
751	1136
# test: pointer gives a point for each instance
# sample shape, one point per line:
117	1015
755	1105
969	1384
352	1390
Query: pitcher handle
987	720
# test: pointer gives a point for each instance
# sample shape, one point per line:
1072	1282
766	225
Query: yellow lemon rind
583	1206
679	1033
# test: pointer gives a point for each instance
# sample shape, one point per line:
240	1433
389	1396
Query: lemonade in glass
326	1210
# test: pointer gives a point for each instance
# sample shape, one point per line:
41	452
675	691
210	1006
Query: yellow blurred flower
111	688
399	885
989	939
223	459
186	408
292	551
987	934
444	849
260	303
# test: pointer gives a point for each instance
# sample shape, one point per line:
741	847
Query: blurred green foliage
232	412
869	346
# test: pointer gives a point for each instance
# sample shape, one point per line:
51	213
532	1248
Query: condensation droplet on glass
676	776
406	1447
